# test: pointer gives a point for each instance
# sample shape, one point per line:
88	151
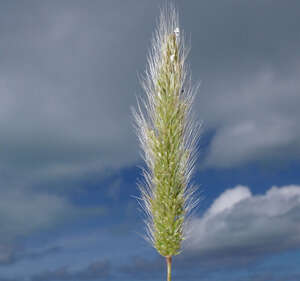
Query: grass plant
168	136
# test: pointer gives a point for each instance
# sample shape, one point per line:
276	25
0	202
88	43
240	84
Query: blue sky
70	159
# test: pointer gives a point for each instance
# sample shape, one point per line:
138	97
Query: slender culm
168	137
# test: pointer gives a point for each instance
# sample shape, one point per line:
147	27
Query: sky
70	160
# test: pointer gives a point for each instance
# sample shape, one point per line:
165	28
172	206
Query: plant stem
169	264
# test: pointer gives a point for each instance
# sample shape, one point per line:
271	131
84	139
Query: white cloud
228	199
240	225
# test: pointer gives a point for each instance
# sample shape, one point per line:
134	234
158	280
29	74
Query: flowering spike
168	138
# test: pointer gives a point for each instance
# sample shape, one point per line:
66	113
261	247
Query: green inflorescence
166	143
168	137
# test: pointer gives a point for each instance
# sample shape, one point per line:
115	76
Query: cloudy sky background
69	156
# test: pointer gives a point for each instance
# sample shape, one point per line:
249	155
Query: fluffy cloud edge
240	225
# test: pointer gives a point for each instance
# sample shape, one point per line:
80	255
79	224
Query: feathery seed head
168	137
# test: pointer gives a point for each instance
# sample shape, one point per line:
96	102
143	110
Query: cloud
26	211
240	227
23	211
95	270
246	55
61	112
257	120
66	113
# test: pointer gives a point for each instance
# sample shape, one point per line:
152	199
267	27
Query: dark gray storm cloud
69	76
67	80
247	56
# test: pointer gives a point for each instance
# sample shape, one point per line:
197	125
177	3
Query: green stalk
168	137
